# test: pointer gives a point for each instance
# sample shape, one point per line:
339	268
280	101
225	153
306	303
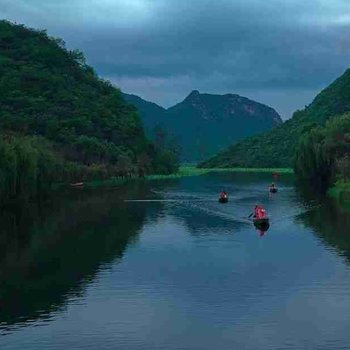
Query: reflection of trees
331	224
49	253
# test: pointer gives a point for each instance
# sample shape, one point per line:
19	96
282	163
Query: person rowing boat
259	213
272	188
223	197
260	219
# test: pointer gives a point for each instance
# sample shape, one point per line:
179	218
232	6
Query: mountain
150	112
48	90
205	123
58	120
276	148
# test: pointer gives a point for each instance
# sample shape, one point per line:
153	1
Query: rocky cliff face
224	107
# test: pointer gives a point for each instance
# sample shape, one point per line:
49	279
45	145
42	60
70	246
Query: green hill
203	123
276	148
50	91
150	113
58	120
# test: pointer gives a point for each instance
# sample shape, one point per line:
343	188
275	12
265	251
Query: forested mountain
150	113
57	114
276	148
205	123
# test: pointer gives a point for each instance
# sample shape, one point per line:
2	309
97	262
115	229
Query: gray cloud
278	52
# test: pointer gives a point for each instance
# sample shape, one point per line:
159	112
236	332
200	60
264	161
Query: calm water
176	270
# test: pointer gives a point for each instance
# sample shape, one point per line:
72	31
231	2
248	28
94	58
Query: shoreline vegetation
184	171
323	158
118	181
340	191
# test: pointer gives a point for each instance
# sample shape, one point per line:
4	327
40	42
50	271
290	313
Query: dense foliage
29	165
323	154
49	93
168	151
276	148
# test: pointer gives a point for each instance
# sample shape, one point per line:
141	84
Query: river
163	265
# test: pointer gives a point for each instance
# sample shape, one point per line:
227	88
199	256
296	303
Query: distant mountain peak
205	123
218	107
194	94
229	98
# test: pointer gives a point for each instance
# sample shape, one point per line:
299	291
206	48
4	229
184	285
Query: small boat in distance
223	197
272	188
77	184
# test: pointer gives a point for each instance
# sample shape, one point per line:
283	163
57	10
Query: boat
262	224
223	199
77	184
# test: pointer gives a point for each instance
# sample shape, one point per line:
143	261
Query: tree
323	153
124	166
144	164
167	152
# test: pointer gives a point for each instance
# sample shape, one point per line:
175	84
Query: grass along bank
247	170
183	172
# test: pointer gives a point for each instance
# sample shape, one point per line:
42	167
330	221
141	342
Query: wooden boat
77	184
262	224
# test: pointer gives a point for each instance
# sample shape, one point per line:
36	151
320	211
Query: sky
277	52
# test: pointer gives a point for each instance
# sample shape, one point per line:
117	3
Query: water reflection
332	224
262	229
198	277
49	252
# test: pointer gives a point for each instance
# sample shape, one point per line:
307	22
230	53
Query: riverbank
184	171
117	182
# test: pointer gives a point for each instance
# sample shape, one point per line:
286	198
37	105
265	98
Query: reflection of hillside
47	254
331	225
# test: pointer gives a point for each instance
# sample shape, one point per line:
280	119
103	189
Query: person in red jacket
223	194
259	212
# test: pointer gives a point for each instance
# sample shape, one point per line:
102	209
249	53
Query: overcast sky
278	52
